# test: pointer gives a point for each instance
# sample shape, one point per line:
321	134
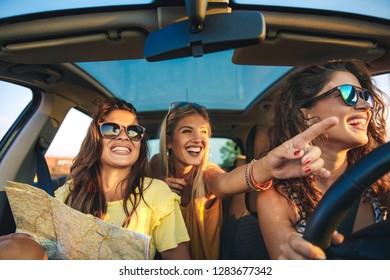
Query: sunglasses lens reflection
351	95
184	104
135	132
368	97
179	104
112	130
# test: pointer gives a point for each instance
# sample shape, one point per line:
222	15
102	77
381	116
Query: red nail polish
307	161
297	152
307	169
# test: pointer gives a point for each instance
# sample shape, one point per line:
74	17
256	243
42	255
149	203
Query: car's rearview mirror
220	32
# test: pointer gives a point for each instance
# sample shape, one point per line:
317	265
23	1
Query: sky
11	105
377	8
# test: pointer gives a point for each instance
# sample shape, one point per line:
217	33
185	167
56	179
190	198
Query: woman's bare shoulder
272	199
212	166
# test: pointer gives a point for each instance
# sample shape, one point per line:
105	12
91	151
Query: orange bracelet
255	185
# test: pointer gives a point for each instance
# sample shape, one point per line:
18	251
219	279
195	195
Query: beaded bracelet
247	178
251	182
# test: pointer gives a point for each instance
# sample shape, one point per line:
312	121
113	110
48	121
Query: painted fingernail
307	169
307	161
297	152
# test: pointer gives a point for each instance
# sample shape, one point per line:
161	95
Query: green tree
229	152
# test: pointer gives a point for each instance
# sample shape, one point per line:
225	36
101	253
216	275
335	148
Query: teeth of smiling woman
360	122
193	149
118	149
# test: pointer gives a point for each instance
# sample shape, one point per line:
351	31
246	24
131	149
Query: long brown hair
289	121
86	194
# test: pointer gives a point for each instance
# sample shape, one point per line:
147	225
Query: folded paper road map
68	234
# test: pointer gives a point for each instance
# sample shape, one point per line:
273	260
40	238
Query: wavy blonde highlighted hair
174	116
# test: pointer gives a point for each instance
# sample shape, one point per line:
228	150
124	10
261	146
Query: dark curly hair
289	121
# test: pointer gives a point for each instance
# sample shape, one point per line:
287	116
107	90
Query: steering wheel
336	202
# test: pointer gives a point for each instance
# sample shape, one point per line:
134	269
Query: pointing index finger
315	130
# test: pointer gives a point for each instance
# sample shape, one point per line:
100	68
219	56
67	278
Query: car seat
7	223
241	237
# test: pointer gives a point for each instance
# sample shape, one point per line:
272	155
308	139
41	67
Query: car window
383	83
66	143
14	99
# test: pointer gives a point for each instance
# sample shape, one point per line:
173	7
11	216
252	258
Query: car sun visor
220	32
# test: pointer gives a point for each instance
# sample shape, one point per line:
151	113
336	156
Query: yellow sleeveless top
204	227
158	216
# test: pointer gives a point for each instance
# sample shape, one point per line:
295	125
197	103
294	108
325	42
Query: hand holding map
69	234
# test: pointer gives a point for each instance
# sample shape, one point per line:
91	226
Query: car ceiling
121	35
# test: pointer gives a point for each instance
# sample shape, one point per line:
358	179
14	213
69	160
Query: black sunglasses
349	93
111	130
184	104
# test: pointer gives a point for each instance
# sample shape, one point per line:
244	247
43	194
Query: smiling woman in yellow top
108	180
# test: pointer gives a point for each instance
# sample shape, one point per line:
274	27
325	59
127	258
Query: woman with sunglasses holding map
183	164
108	181
345	90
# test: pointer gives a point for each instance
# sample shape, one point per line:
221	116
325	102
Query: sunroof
212	80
